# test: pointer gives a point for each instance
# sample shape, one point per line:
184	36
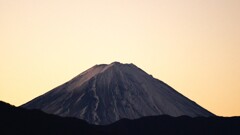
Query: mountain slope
15	120
106	93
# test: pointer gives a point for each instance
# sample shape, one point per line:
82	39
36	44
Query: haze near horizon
193	46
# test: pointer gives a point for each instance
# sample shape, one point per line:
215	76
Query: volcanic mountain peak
105	93
95	71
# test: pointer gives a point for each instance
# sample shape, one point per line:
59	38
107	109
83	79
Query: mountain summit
105	93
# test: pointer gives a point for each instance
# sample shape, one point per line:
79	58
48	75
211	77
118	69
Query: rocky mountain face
105	93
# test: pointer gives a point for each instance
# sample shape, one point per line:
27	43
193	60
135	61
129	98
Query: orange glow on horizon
193	46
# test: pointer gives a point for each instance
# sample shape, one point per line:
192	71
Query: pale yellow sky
192	45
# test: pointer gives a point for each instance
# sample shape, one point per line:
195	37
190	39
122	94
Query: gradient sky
192	45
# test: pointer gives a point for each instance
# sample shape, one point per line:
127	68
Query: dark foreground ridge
15	120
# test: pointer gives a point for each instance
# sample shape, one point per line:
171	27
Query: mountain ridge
17	120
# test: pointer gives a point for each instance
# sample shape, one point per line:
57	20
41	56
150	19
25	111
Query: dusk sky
192	45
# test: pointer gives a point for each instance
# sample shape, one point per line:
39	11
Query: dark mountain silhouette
15	120
105	93
34	122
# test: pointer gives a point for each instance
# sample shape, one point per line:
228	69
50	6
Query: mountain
16	120
19	121
105	93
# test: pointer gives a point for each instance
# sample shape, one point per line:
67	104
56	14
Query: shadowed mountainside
105	94
15	120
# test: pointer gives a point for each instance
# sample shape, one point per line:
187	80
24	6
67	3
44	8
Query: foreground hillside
16	120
